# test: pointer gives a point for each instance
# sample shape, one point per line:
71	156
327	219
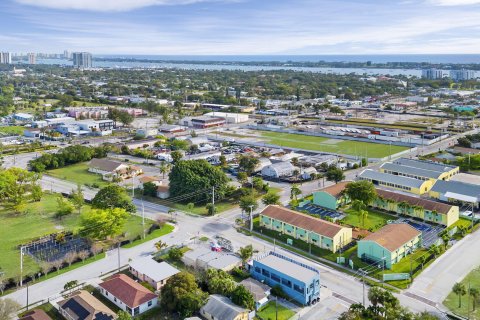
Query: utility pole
213	196
143	218
118	251
251	218
363	286
21	266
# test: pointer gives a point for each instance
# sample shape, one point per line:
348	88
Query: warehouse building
389	245
411	172
229	117
388	180
427	210
456	192
318	232
445	171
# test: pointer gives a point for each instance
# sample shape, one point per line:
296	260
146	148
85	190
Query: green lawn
375	219
451	302
372	150
12	130
78	173
166	229
39	220
270	312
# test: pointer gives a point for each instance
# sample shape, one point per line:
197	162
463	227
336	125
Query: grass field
361	149
374	221
38	221
78	173
269	311
12	130
451	302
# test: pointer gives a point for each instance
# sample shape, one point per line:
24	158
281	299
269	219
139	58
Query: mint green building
331	197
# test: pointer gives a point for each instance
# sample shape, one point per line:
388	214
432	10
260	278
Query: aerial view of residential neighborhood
239	160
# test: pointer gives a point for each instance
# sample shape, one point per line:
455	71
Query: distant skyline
241	27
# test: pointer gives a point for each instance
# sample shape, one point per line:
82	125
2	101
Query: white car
467	214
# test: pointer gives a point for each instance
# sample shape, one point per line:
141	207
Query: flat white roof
155	270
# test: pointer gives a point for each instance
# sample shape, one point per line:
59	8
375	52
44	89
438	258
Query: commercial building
410	172
456	192
82	60
297	280
88	112
427	210
318	232
396	182
23	117
434	74
203	258
389	245
462	75
278	170
445	171
155	273
221	308
229	117
83	305
205	122
331	197
5	58
128	295
32	58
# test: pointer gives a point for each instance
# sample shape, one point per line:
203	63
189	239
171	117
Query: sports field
355	148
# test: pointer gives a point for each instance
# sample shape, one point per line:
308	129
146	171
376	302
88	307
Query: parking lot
322	212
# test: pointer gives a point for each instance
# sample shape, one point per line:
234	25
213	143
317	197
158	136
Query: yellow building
321	233
402	183
426	210
424	170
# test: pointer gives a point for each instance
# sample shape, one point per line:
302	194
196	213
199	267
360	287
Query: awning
460	197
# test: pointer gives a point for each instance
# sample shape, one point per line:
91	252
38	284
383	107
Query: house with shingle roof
110	169
128	294
331	197
318	232
416	207
221	308
36	314
82	305
390	244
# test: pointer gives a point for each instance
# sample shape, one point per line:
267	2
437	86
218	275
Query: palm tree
358	205
164	168
363	214
160	245
474	293
435	250
294	192
459	290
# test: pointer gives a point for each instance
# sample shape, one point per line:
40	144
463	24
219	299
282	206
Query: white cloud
453	2
104	5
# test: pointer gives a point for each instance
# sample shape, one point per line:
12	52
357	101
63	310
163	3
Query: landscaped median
464	297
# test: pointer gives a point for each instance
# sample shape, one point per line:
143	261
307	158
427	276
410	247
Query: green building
389	244
331	197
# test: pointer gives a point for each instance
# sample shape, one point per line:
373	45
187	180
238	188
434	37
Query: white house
278	170
163	192
155	273
128	295
110	169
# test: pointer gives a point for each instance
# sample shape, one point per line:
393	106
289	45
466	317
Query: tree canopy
100	224
113	196
197	178
361	190
17	186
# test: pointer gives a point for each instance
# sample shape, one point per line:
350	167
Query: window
275	278
265	273
106	292
287	283
150	303
257	269
114	299
298	288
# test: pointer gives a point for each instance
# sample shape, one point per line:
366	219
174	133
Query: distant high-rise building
66	55
434	74
32	58
5	57
462	75
82	60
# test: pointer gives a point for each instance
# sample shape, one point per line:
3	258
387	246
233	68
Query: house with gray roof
392	181
259	290
155	273
221	308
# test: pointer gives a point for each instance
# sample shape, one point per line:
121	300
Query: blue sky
223	27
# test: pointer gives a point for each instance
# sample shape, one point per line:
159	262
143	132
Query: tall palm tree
474	293
295	192
459	290
358	205
164	168
363	214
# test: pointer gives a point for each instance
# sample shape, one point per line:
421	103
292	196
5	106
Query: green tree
219	282
245	253
248	202
164	168
211	209
474	293
125	118
363	215
176	156
334	174
113	196
271	198
8	309
160	245
182	294
70	285
223	161
459	290
361	190
197	178
100	224
77	198
243	298
123	315
150	189
295	192
175	254
64	207
358	205
247	164
258	183
242	178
